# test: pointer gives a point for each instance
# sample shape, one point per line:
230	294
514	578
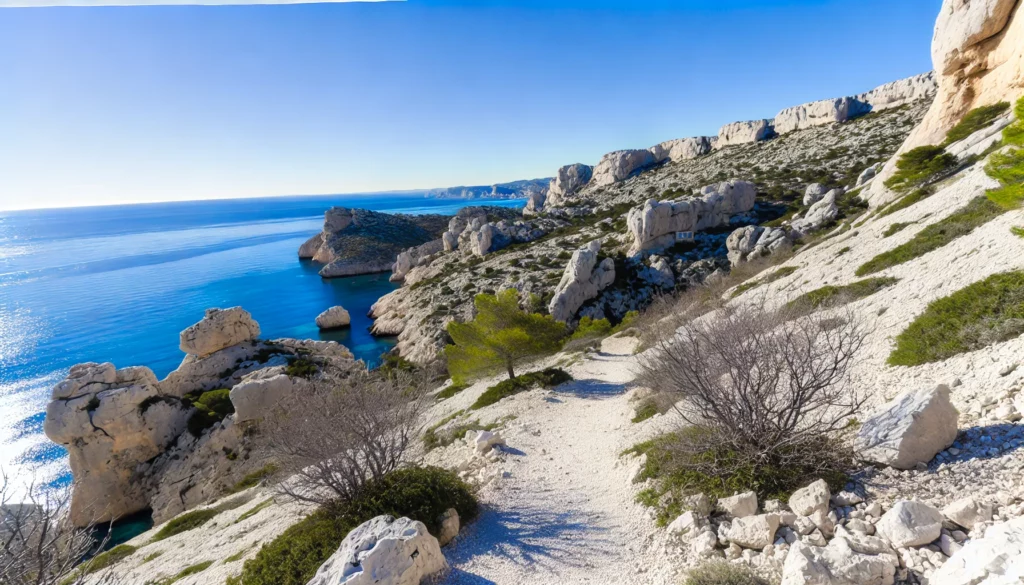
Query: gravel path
565	513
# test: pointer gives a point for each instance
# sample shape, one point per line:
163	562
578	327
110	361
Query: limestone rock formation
900	92
835	564
754	241
620	165
910	523
333	318
819	113
978	55
535	203
220	328
739	505
744	133
996	559
754	532
260	392
415	257
813	498
383	551
654	225
582	280
909	430
818	216
968	512
359	241
567	182
814	193
682	148
110	421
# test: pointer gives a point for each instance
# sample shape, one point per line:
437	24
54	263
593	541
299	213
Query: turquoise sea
117	284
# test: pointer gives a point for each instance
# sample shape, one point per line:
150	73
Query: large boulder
110	421
968	512
535	202
739	505
383	551
754	241
819	215
909	430
654	225
567	182
910	523
814	193
333	318
219	329
582	280
682	149
755	532
260	392
620	165
995	559
835	564
819	113
744	133
813	498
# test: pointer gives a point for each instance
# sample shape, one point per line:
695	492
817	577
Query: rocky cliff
139	443
359	241
512	190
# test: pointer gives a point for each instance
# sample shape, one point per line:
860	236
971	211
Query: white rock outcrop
219	329
682	149
819	113
333	318
754	241
261	392
968	512
582	280
910	523
909	430
754	532
744	133
739	505
654	224
567	182
995	559
820	215
535	202
620	165
900	92
415	257
814	193
835	564
813	498
383	551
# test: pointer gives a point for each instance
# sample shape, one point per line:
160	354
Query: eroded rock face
620	165
654	225
978	55
110	421
415	257
835	564
567	182
383	551
220	328
911	429
744	133
754	241
819	113
900	92
995	559
583	279
535	203
819	215
682	148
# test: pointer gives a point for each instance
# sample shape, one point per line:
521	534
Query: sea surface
117	284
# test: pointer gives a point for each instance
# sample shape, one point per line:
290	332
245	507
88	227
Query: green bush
255	510
548	378
419	493
975	120
591	328
211	407
1017	231
107	559
253	479
722	573
187	572
979	315
645	410
184	523
906	201
976	213
831	295
300	368
896	228
919	166
452	390
1008	167
671	463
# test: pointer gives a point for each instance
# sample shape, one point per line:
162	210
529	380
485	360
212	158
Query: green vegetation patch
976	213
672	470
1008	166
977	316
301	367
896	228
645	410
255	510
548	378
976	119
420	493
723	573
211	407
827	296
918	166
185	522
906	201
452	390
106	559
187	572
1017	231
776	275
253	479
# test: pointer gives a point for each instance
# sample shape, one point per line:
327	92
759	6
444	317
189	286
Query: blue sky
106	105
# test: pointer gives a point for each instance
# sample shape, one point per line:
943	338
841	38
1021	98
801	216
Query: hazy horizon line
97	3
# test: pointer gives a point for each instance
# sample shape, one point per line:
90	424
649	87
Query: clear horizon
142	104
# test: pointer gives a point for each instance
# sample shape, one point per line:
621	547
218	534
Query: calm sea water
117	284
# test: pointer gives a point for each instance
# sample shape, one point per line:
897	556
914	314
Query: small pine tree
500	336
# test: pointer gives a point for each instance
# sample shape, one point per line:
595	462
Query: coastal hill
791	354
512	190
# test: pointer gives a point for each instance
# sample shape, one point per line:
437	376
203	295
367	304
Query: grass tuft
830	296
975	120
548	378
184	523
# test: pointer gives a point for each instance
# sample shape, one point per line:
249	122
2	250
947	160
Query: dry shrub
765	395
39	545
346	431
